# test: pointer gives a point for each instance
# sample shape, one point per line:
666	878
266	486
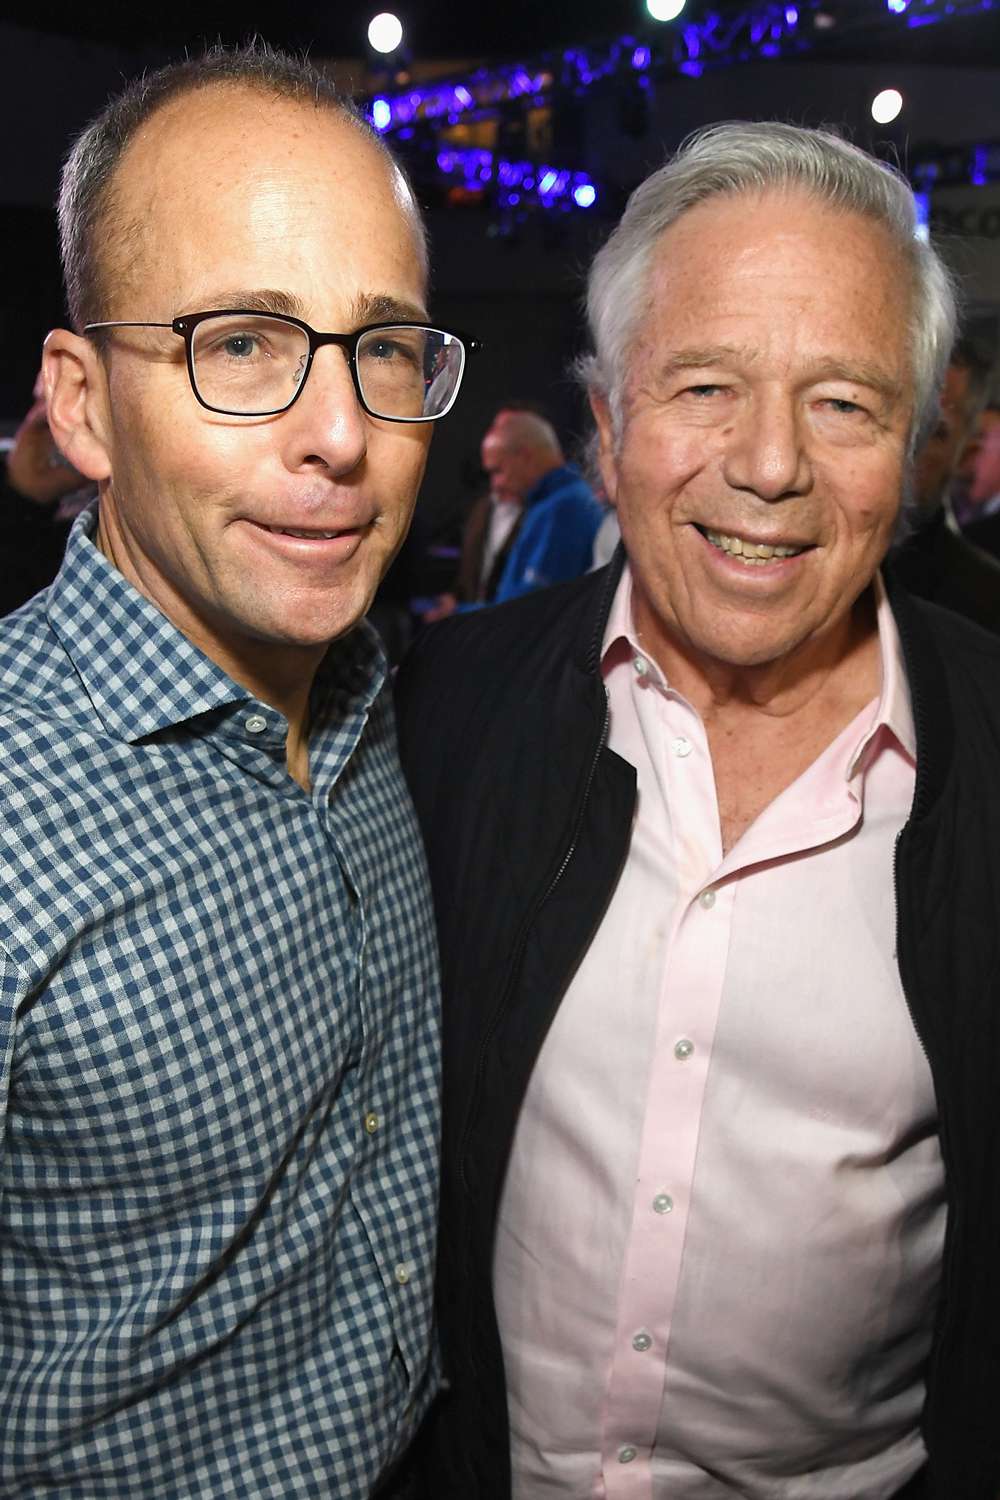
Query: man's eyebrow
697	357
860	372
369	307
379	307
855	371
260	300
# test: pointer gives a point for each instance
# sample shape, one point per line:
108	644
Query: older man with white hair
714	841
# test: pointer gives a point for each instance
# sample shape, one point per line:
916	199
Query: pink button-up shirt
720	1236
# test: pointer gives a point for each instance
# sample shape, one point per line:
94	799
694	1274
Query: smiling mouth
752	554
311	534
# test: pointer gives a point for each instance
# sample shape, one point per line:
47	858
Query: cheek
654	467
866	490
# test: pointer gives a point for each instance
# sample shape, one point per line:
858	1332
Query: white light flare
385	32
664	10
886	106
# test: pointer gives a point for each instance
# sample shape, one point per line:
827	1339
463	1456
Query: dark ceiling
434	28
506	30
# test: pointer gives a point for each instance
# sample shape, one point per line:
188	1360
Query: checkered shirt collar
139	671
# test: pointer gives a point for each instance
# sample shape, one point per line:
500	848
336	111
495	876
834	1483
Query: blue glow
897	6
585	196
548	181
463	96
791	16
980	158
381	114
641	57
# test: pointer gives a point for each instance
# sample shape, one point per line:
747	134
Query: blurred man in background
934	560
40	495
535	527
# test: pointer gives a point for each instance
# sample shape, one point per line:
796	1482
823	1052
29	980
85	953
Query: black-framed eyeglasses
243	363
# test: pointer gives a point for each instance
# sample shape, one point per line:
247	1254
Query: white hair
743	157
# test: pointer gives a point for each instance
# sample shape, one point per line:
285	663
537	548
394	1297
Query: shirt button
642	1341
707	900
683	1049
680	746
402	1274
255	724
371	1122
641	665
626	1454
662	1203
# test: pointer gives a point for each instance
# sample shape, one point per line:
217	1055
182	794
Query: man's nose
327	425
766	453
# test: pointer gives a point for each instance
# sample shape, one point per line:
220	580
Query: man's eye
239	345
704	390
844	408
387	350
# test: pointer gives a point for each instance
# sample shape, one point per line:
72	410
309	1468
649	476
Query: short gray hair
740	157
86	190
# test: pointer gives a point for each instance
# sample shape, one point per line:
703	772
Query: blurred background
525	126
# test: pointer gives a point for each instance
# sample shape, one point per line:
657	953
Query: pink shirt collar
893	713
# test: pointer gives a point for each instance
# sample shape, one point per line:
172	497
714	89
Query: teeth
324	536
750	553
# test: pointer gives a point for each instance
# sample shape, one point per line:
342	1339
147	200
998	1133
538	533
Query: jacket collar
606	581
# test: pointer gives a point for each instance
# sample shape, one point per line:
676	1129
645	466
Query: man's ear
606	460
76	399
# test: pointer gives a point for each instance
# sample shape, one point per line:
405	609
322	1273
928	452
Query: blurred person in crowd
40	495
713	837
975	492
933	559
220	1021
982	517
536	525
488	534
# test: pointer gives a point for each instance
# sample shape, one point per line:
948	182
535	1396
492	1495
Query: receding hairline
114	230
523	429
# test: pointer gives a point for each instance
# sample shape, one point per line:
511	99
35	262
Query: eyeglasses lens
251	365
248	365
410	373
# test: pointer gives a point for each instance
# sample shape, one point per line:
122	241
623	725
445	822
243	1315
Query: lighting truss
719	38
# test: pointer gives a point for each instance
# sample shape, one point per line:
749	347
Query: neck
845	657
278	674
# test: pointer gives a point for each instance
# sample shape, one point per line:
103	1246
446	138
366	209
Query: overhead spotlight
664	10
886	106
385	32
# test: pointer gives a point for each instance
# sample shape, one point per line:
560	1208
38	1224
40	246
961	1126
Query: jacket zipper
522	940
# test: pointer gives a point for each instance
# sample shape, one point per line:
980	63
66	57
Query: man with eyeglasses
220	1001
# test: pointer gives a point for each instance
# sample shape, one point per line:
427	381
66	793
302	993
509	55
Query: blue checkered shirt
219	1040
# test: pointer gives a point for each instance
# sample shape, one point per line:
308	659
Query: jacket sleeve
555	544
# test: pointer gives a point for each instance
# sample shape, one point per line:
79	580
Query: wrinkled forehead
779	263
223	180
